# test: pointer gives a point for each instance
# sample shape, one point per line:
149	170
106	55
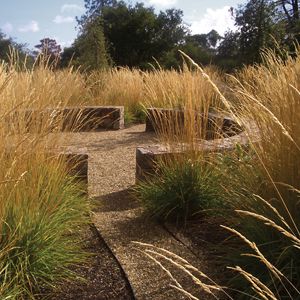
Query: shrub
182	188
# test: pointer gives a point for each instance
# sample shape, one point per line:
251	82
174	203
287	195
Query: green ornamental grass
184	187
40	220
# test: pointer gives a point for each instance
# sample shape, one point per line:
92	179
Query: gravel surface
111	156
111	168
103	279
119	221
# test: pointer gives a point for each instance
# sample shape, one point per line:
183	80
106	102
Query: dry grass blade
261	289
271	223
185	267
206	287
162	267
277	273
274	210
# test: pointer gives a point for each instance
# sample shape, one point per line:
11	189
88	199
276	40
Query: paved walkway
119	219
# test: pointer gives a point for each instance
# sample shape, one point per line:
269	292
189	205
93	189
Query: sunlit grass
263	253
41	206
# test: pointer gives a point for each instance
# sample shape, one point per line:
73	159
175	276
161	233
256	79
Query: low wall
76	119
146	157
77	164
156	118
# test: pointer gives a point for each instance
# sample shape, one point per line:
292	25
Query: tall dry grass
137	90
268	94
263	253
41	87
41	205
187	99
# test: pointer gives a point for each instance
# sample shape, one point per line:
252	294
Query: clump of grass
41	205
156	88
182	187
41	212
42	86
176	89
268	95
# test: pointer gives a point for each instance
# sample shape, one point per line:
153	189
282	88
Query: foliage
134	33
202	47
257	26
263	252
49	49
40	215
91	46
41	206
9	46
228	56
268	222
182	188
291	19
94	8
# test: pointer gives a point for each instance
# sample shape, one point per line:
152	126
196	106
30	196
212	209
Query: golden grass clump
188	98
42	87
137	90
41	205
269	95
119	86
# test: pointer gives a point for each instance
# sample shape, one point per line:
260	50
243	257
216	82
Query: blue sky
31	20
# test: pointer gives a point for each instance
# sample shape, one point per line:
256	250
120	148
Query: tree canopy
7	44
130	35
113	32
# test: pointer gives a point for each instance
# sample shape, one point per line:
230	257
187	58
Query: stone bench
77	164
75	119
174	119
146	157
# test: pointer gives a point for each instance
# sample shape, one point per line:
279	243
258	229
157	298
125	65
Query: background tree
201	47
228	53
90	46
133	34
49	50
94	8
7	44
257	24
288	14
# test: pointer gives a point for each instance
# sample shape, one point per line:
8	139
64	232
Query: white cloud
219	19
72	8
32	26
162	2
7	28
61	19
66	43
